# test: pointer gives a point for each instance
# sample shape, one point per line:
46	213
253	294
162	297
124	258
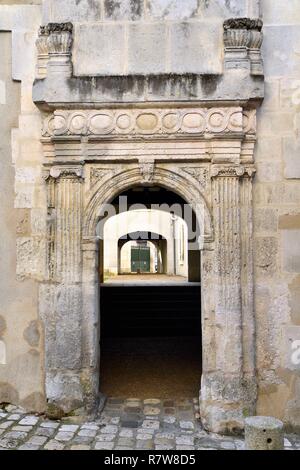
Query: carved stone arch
168	178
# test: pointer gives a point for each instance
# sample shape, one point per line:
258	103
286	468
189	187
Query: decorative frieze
242	40
150	122
199	173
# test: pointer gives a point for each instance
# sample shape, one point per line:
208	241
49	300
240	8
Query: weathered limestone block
30	257
291	250
263	433
142	56
266	252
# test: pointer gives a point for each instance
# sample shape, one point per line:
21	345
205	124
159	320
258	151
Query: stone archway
69	300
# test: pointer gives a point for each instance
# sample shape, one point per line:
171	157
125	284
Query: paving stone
105	437
133	409
64	436
90	426
54	445
87	432
29	420
22	428
38	440
150	424
152	401
185	447
80	447
104	445
169	419
165	435
28	446
146	445
163	447
129	424
126	433
115	420
49	424
126	441
16	435
186	424
8	443
109	429
162	441
6	424
82	440
227	445
14	417
151	410
10	408
143	435
132	404
47	432
185	440
69	427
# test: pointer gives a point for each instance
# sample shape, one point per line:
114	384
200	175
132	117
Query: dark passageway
151	340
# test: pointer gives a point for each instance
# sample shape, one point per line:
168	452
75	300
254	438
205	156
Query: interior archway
151	334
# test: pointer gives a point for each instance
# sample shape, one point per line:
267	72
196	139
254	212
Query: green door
140	259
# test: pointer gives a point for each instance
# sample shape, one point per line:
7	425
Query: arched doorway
150	328
70	297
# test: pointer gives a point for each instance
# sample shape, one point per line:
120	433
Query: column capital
72	172
232	171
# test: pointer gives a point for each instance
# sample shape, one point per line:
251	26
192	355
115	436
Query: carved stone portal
217	175
204	152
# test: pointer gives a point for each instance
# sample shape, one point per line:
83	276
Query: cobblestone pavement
124	425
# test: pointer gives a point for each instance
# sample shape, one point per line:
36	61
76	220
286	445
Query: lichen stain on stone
53	411
209	83
2	325
8	394
120	87
32	334
111	6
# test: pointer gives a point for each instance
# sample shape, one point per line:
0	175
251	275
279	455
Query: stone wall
145	36
165	25
277	213
21	337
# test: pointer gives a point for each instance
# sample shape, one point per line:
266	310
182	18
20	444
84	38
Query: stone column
62	309
223	400
59	44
